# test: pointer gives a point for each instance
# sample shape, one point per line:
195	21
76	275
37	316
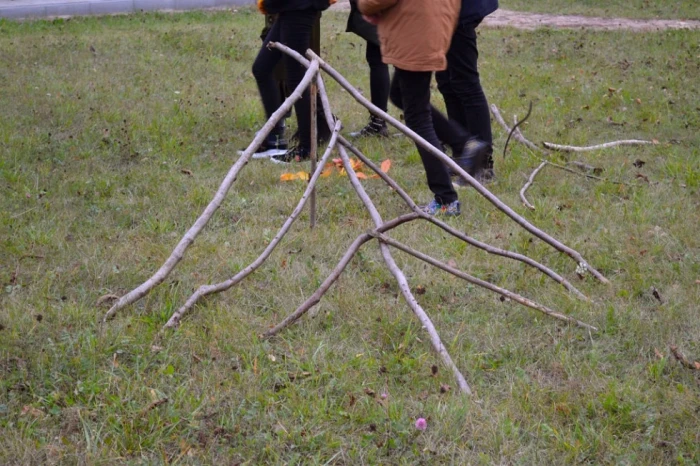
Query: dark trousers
293	29
410	91
378	76
461	88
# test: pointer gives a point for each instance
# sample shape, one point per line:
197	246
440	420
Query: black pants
410	91
461	88
378	76
293	29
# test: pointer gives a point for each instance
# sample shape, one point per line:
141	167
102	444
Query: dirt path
522	20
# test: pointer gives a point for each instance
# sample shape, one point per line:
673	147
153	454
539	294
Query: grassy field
644	9
114	134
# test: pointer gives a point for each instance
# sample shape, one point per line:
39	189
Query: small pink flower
384	396
421	424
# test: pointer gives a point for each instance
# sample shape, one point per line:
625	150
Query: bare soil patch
530	21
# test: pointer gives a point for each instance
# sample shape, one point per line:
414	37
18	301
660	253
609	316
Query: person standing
293	28
460	85
415	36
378	71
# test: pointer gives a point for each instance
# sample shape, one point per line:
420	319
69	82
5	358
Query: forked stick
517	134
179	251
529	183
205	290
484	284
458	234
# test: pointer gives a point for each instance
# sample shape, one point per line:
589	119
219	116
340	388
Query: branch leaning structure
380	232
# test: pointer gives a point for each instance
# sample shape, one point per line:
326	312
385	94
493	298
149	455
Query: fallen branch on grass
626	142
680	357
518	136
528	184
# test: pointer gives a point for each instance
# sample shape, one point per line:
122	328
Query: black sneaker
375	128
295	154
473	156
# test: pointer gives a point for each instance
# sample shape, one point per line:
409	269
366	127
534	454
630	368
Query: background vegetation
114	134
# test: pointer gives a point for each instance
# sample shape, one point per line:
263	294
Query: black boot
375	127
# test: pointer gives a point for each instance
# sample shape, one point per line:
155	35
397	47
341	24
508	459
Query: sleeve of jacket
373	7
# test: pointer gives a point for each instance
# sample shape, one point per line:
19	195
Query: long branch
391	264
225	285
489	286
179	251
449	229
624	142
457	169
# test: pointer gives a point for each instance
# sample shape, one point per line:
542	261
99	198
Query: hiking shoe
435	208
273	144
473	156
295	154
375	128
483	176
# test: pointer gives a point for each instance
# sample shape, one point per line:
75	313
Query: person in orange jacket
415	36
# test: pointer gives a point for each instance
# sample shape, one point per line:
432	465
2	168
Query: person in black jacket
460	85
293	28
378	71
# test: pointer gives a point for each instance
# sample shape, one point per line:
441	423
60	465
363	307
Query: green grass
642	9
107	158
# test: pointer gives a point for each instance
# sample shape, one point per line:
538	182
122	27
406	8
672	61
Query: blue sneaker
435	208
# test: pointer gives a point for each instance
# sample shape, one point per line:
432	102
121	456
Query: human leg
461	88
410	91
263	70
379	91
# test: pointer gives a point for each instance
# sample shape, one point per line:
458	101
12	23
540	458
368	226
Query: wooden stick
179	251
680	357
625	142
449	229
391	264
205	290
517	134
484	284
313	92
452	164
529	183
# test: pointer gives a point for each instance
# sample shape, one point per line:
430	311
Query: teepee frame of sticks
313	80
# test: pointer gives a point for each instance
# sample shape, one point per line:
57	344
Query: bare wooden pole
313	92
189	237
206	290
